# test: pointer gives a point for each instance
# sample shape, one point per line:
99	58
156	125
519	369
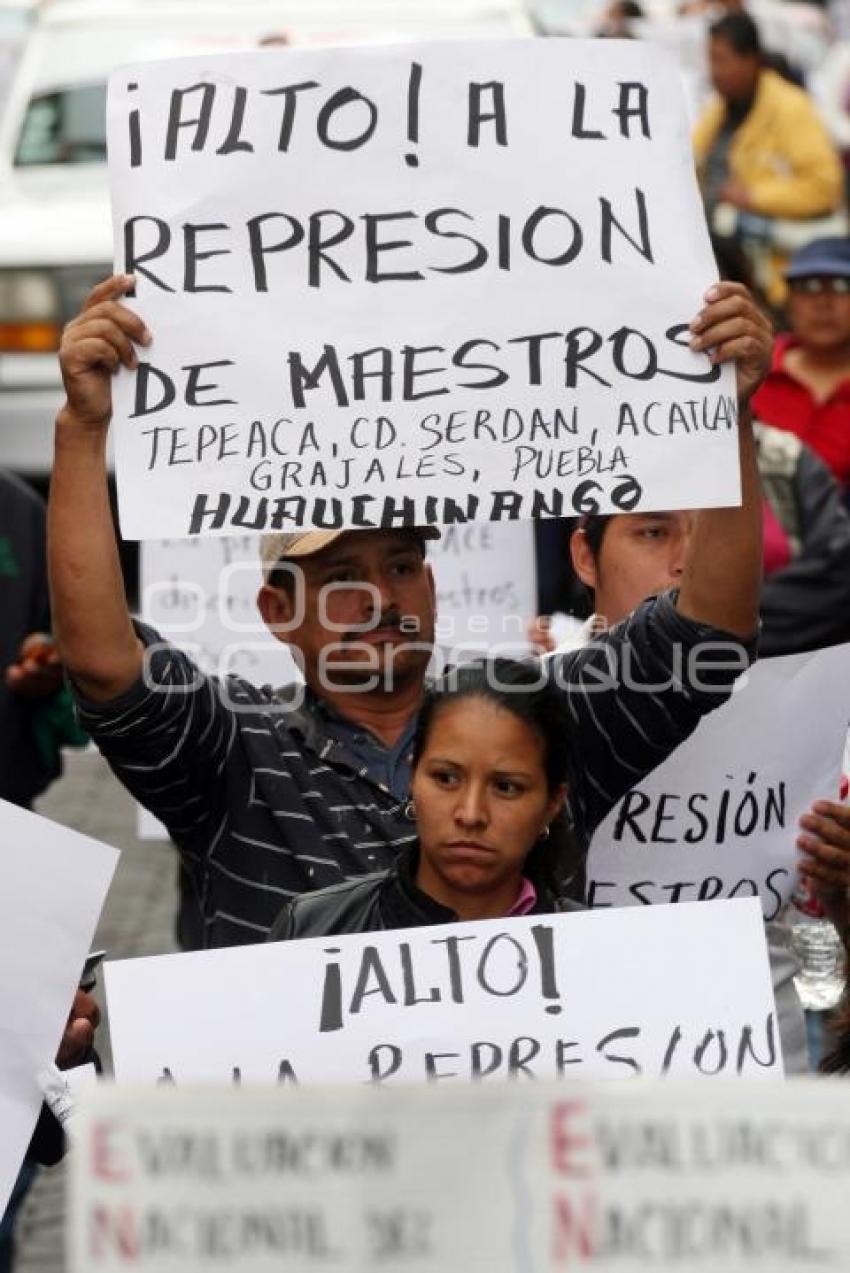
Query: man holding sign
265	803
249	328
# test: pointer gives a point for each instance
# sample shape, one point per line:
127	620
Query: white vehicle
55	228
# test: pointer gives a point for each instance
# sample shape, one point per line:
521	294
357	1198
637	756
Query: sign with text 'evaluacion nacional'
412	284
524	1178
679	990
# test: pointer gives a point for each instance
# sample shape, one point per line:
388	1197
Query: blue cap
826	257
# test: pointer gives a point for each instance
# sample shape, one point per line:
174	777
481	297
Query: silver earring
409	811
544	834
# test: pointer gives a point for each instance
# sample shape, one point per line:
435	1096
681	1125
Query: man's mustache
393	620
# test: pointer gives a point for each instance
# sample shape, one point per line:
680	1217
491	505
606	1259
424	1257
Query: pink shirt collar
526	899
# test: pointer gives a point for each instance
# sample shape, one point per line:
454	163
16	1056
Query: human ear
277	610
584	563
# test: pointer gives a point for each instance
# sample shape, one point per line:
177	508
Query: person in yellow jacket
763	155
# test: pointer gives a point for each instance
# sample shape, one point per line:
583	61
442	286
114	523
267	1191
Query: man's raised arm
94	633
722	576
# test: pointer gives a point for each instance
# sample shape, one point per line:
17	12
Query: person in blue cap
807	390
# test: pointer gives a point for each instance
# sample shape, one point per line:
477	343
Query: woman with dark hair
488	798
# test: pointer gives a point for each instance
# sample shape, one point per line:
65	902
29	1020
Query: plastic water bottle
818	947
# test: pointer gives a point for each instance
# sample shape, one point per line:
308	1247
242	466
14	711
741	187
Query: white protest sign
486	581
61	1088
679	990
618	1177
423	284
719	817
53	883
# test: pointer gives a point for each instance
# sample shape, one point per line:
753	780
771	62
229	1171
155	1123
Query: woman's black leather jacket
376	903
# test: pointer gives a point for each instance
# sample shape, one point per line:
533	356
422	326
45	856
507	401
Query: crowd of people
380	798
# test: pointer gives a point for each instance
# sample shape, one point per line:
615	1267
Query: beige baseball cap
306	543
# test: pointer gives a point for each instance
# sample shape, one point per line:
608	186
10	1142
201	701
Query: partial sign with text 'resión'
410	285
719	817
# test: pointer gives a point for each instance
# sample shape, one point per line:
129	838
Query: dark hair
739	31
282	578
555	865
594	528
